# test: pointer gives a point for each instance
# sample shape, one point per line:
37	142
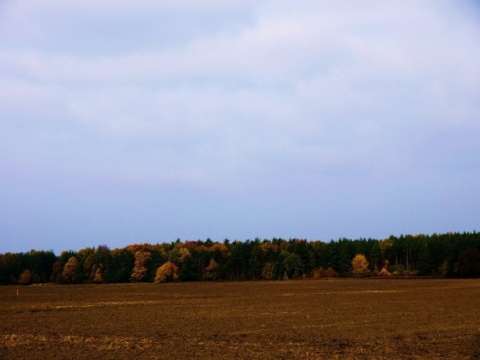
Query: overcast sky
127	122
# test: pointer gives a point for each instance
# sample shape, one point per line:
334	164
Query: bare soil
324	319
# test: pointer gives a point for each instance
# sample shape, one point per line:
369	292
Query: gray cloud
346	120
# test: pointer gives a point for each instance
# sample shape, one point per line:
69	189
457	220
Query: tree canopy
448	255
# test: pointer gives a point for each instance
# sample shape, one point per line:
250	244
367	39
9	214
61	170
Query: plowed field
324	319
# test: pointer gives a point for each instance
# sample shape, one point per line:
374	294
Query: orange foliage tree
320	272
168	272
98	277
384	271
69	273
25	277
140	270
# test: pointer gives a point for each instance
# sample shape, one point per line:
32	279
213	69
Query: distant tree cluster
447	255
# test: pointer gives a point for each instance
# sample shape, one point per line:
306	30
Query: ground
321	319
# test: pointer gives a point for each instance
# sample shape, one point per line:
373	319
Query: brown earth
325	319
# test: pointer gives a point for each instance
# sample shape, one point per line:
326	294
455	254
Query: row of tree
448	255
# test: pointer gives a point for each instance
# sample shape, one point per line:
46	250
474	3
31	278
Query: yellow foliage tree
178	254
166	273
360	265
211	270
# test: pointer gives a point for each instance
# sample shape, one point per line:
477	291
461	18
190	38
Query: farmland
343	318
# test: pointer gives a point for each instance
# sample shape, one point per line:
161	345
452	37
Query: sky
127	122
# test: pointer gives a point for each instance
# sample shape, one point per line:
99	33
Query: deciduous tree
140	268
168	272
360	265
69	273
269	270
25	277
293	264
98	277
211	270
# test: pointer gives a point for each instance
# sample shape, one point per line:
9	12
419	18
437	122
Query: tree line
447	255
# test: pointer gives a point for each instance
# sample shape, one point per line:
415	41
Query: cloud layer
148	122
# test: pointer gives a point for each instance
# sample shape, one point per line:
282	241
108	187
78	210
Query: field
421	318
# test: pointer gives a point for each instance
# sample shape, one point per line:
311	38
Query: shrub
321	273
318	273
331	273
397	269
384	272
25	277
410	273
